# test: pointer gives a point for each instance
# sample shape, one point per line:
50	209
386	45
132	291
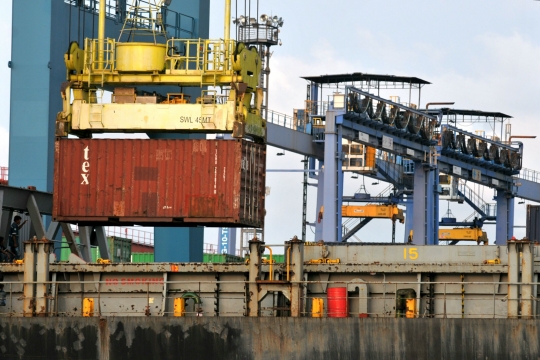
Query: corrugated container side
532	225
159	182
144	257
140	248
278	258
65	250
221	258
94	253
119	249
234	258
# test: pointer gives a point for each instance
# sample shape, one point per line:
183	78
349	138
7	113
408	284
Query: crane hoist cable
79	21
84	19
94	13
69	24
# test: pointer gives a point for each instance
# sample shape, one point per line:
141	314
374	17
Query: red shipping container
138	248
159	182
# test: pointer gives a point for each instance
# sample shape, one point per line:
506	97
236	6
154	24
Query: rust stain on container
159	182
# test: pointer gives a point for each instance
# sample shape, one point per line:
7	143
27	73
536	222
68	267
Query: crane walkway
528	184
284	133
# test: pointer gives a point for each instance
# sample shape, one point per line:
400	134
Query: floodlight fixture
252	21
280	22
263	18
241	20
167	2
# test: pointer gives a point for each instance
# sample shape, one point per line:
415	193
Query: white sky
482	54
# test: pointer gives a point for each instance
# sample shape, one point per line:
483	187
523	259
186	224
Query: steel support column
513	278
254	275
35	217
420	202
320	202
29	279
101	237
527	272
505	217
43	248
339	187
52	230
297	276
84	236
425	224
333	178
70	238
535	291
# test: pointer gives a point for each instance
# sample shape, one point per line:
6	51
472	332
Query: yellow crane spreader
463	234
373	211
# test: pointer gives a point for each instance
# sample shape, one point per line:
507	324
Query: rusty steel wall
150	290
268	338
159	182
446	286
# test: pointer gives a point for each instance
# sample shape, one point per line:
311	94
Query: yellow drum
140	57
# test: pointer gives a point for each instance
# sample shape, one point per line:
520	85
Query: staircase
483	209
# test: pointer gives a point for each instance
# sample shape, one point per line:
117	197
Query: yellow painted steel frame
208	118
463	234
373	211
151	117
271	261
187	62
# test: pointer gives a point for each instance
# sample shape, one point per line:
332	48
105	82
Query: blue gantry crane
419	145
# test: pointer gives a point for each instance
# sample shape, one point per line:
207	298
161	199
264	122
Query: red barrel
337	302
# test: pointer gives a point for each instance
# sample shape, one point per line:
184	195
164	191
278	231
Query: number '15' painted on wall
411	254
